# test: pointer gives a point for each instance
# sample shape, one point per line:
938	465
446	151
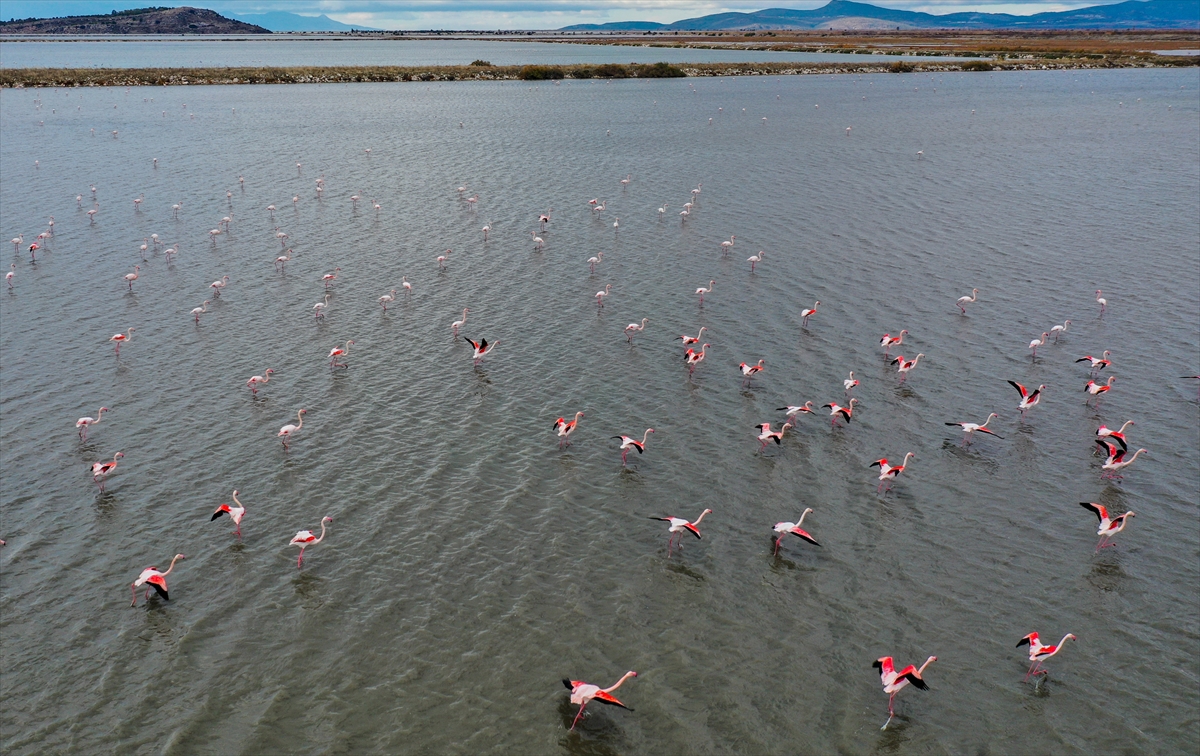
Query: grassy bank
130	77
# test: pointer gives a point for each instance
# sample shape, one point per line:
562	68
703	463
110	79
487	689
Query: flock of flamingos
1112	443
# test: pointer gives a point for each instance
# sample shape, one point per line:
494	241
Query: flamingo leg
623	455
134	592
577	716
777	542
300	559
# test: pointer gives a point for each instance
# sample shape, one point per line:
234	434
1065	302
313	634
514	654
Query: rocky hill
142	21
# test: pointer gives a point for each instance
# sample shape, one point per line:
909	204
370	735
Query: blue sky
511	14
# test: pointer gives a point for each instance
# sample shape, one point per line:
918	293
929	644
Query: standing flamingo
1059	330
281	261
339	352
459	323
8	277
783	528
122	338
702	291
964	301
633	328
305	538
198	311
84	423
755	259
687	340
538	242
319	307
679	526
601	295
727	245
904	366
970	428
217	286
749	371
894	682
486	229
259	380
404	284
628	443
693	358
1102	301
235	513
850	383
101	470
1036	343
287	431
565	429
155	579
442	258
329	278
1038	652
807	313
131	277
592	261
390	297
582	693
889	473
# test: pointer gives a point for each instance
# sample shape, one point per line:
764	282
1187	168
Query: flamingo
565	429
693	358
687	340
807	313
538	242
749	371
17	241
1115	435
794	410
329	278
283	259
755	259
684	213
198	311
122	338
894	682
12	271
783	528
441	259
835	410
472	201
169	251
679	526
544	218
271	210
970	428
1059	330
582	693
84	422
486	229
305	538
1035	344
633	328
765	435
101	470
1038	652
405	285
727	245
339	352
1096	389
903	365
600	295
92	213
319	307
259	380
390	297
1109	527
1116	459
1101	301
1028	398
154	579
628	443
592	261
286	431
481	349
33	248
696	191
235	513
459	323
145	245
601	207
702	291
850	382
964	301
662	211
1097	363
625	181
174	209
888	472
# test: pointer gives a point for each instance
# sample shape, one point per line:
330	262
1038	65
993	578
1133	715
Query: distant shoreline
130	77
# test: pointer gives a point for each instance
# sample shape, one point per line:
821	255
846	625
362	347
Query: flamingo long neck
618	683
702	349
1135	456
906	458
1126	425
322	538
926	664
128	335
647	435
577	416
299	420
802	516
917	359
99	415
346	349
168	572
235	501
701	517
985	422
1065	638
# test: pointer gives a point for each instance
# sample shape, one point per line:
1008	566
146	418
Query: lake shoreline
129	77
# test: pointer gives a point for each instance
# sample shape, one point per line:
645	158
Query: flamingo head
302	412
351	341
103	409
269	371
118	455
326	519
853	401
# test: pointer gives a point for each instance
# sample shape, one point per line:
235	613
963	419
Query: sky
512	14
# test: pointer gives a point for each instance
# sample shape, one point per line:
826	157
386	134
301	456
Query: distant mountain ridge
846	14
182	20
282	21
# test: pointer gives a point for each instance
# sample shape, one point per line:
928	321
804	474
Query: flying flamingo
1116	459
339	352
783	528
727	245
198	311
1115	435
235	513
131	277
1097	363
565	429
903	365
633	328
888	472
1038	653
835	410
894	682
259	380
305	538
391	297
154	579
600	295
1028	399
628	443
122	338
688	340
481	349
1059	330
217	286
1035	344
101	470
755	259
1109	527
459	323
679	526
766	436
283	259
1102	301
582	693
693	358
793	410
441	259
1097	389
807	313
850	382
286	431
319	307
964	301
329	278
592	261
970	428
84	422
749	371
702	291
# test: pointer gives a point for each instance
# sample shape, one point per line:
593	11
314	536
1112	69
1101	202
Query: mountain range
282	21
849	15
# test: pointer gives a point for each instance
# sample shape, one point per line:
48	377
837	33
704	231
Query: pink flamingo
481	349
633	328
601	295
1115	435
702	291
592	261
281	261
894	682
404	284
889	473
152	578
101	470
122	338
198	311
329	278
749	371
888	341
305	538
84	422
565	429
235	513
339	352
693	358
783	528
1098	389
628	443
319	308
971	428
755	260
1102	301
807	313
727	245
903	366
835	410
1109	527
442	258
1028	399
1097	363
794	410
8	277
217	286
131	277
1038	652
679	526
582	693
688	340
1036	343
259	380
287	431
766	435
389	297
459	323
1116	459
850	383
964	301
